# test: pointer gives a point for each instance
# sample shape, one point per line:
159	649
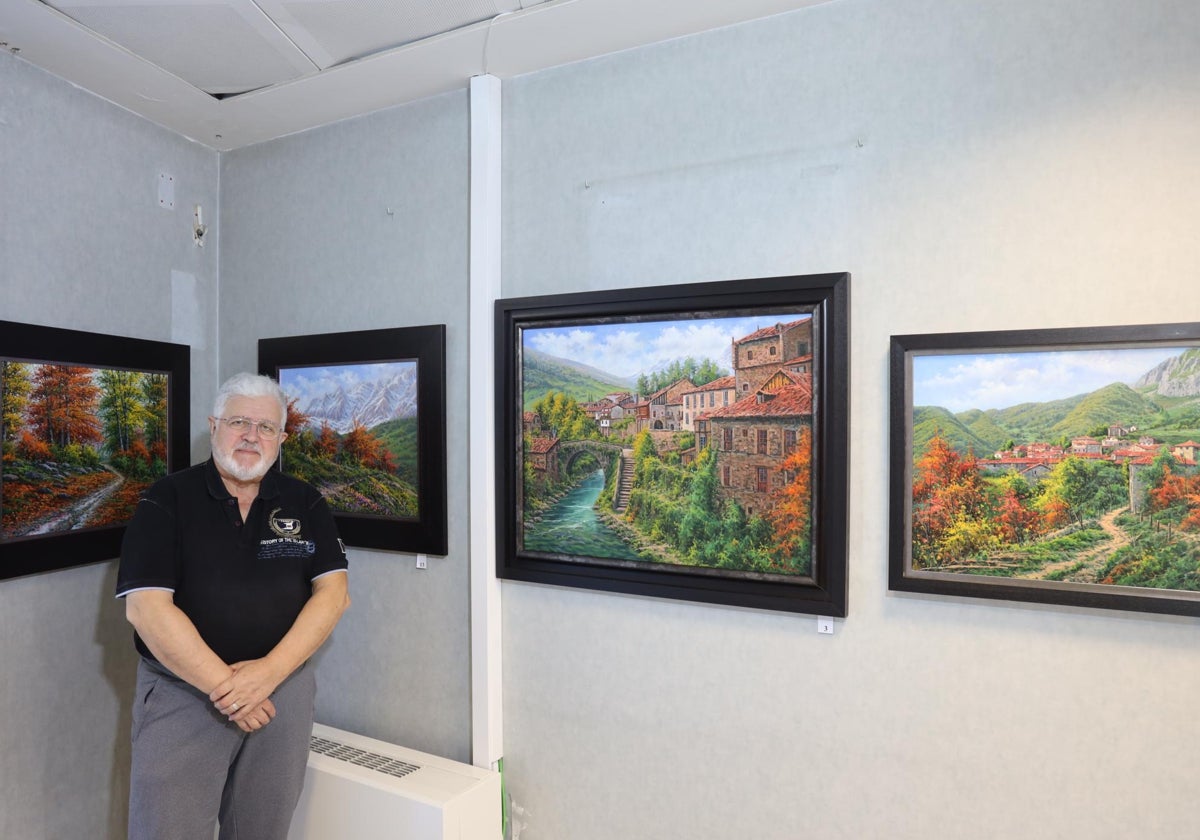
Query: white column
486	711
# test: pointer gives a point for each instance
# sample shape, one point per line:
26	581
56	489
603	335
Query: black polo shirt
241	584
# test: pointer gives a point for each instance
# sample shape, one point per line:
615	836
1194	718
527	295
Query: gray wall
85	245
363	225
975	166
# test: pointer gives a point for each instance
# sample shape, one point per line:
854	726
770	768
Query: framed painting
1059	466
88	422
685	442
367	426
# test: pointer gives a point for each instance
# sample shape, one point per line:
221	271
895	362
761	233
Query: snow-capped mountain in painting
369	403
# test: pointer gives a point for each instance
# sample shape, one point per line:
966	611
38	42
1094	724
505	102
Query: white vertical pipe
486	710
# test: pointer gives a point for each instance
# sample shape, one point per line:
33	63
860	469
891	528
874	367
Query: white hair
250	385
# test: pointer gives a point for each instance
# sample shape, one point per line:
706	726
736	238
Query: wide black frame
59	346
426	345
827	297
902	577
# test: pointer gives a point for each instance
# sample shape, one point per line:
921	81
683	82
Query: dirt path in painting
1089	561
78	512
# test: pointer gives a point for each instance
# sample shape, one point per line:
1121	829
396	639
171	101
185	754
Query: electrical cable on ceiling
487	38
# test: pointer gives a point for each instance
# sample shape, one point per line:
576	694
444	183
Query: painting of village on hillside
79	445
684	443
1054	468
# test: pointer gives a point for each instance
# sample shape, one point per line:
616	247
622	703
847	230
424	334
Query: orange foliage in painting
1178	491
1056	513
790	516
946	489
118	508
362	446
296	419
64	405
32	449
1018	523
25	504
327	441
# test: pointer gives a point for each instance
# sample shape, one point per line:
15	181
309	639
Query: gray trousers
192	767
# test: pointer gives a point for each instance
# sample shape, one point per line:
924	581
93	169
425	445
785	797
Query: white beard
226	462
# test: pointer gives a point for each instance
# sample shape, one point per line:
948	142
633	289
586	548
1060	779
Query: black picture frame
823	301
37	345
426	532
1020	496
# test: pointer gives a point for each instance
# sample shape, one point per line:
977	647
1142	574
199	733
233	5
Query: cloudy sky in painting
629	349
1001	380
310	383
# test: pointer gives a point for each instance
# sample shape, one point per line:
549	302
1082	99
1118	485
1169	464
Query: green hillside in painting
354	488
400	438
929	421
544	374
1114	403
1055	421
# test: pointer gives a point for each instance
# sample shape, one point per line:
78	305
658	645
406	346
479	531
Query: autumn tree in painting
362	447
63	405
297	421
950	507
15	386
1178	496
327	441
300	438
791	517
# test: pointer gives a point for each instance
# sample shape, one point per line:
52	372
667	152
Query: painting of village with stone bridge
1057	467
684	442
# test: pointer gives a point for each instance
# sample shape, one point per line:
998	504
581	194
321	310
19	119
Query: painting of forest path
79	445
352	433
1076	466
682	443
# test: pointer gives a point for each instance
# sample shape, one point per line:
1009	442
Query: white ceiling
228	73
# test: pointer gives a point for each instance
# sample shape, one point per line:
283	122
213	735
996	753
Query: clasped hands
245	697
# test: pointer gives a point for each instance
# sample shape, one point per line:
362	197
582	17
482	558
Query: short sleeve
329	554
149	555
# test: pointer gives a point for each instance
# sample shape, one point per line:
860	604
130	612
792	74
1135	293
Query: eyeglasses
242	425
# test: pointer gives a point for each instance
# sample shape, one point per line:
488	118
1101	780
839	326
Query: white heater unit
358	788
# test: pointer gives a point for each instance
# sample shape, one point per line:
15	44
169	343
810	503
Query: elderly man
233	576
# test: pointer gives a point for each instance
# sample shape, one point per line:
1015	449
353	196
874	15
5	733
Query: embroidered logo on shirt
284	527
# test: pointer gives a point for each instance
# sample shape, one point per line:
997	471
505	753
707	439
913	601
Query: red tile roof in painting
716	385
767	332
789	401
540	446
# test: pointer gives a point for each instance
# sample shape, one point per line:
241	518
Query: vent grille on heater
353	755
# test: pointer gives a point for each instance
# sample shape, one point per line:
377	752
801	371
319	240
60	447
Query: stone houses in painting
755	422
1185	453
543	456
716	394
663	410
754	436
610	409
756	357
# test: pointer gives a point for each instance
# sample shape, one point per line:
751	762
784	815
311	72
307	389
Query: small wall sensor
198	227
